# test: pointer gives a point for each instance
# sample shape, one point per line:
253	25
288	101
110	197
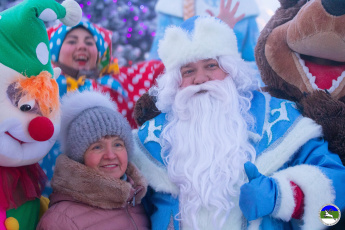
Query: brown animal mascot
29	101
301	56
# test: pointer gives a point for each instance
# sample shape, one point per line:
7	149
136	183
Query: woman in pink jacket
94	185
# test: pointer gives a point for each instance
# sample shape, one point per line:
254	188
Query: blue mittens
258	196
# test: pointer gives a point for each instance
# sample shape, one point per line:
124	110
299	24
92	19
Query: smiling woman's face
79	50
108	155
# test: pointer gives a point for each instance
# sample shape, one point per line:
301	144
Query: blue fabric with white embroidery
275	119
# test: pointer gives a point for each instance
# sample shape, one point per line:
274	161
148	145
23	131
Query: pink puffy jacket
83	199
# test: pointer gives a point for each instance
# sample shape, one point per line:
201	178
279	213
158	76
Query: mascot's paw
330	114
145	109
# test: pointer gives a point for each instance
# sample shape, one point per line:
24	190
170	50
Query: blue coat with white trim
289	147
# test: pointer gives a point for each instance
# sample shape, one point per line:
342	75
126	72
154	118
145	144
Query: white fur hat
199	37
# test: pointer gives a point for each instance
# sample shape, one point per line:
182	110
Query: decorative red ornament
41	129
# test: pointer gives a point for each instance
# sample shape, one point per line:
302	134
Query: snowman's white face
29	117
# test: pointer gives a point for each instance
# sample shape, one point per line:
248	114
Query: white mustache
212	88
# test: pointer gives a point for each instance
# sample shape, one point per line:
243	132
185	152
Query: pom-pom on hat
23	37
199	37
87	117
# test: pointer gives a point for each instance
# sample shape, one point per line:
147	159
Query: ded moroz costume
298	173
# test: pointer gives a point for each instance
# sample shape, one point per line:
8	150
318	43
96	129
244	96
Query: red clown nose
41	129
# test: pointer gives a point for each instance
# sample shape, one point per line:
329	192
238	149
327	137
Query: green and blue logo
330	214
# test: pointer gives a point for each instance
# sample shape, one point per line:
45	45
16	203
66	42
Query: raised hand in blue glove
258	196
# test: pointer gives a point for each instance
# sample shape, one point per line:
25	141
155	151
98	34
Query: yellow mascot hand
44	203
11	223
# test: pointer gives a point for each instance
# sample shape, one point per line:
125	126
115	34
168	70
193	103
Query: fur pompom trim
73	13
74	103
316	186
210	38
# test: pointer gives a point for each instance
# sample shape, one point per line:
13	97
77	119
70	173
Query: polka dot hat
23	37
58	33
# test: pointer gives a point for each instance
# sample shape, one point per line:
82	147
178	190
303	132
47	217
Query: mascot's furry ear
288	3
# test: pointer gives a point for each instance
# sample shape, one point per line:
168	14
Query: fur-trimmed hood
88	186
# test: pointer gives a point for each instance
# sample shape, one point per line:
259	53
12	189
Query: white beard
205	145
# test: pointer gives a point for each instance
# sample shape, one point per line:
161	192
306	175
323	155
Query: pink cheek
186	82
